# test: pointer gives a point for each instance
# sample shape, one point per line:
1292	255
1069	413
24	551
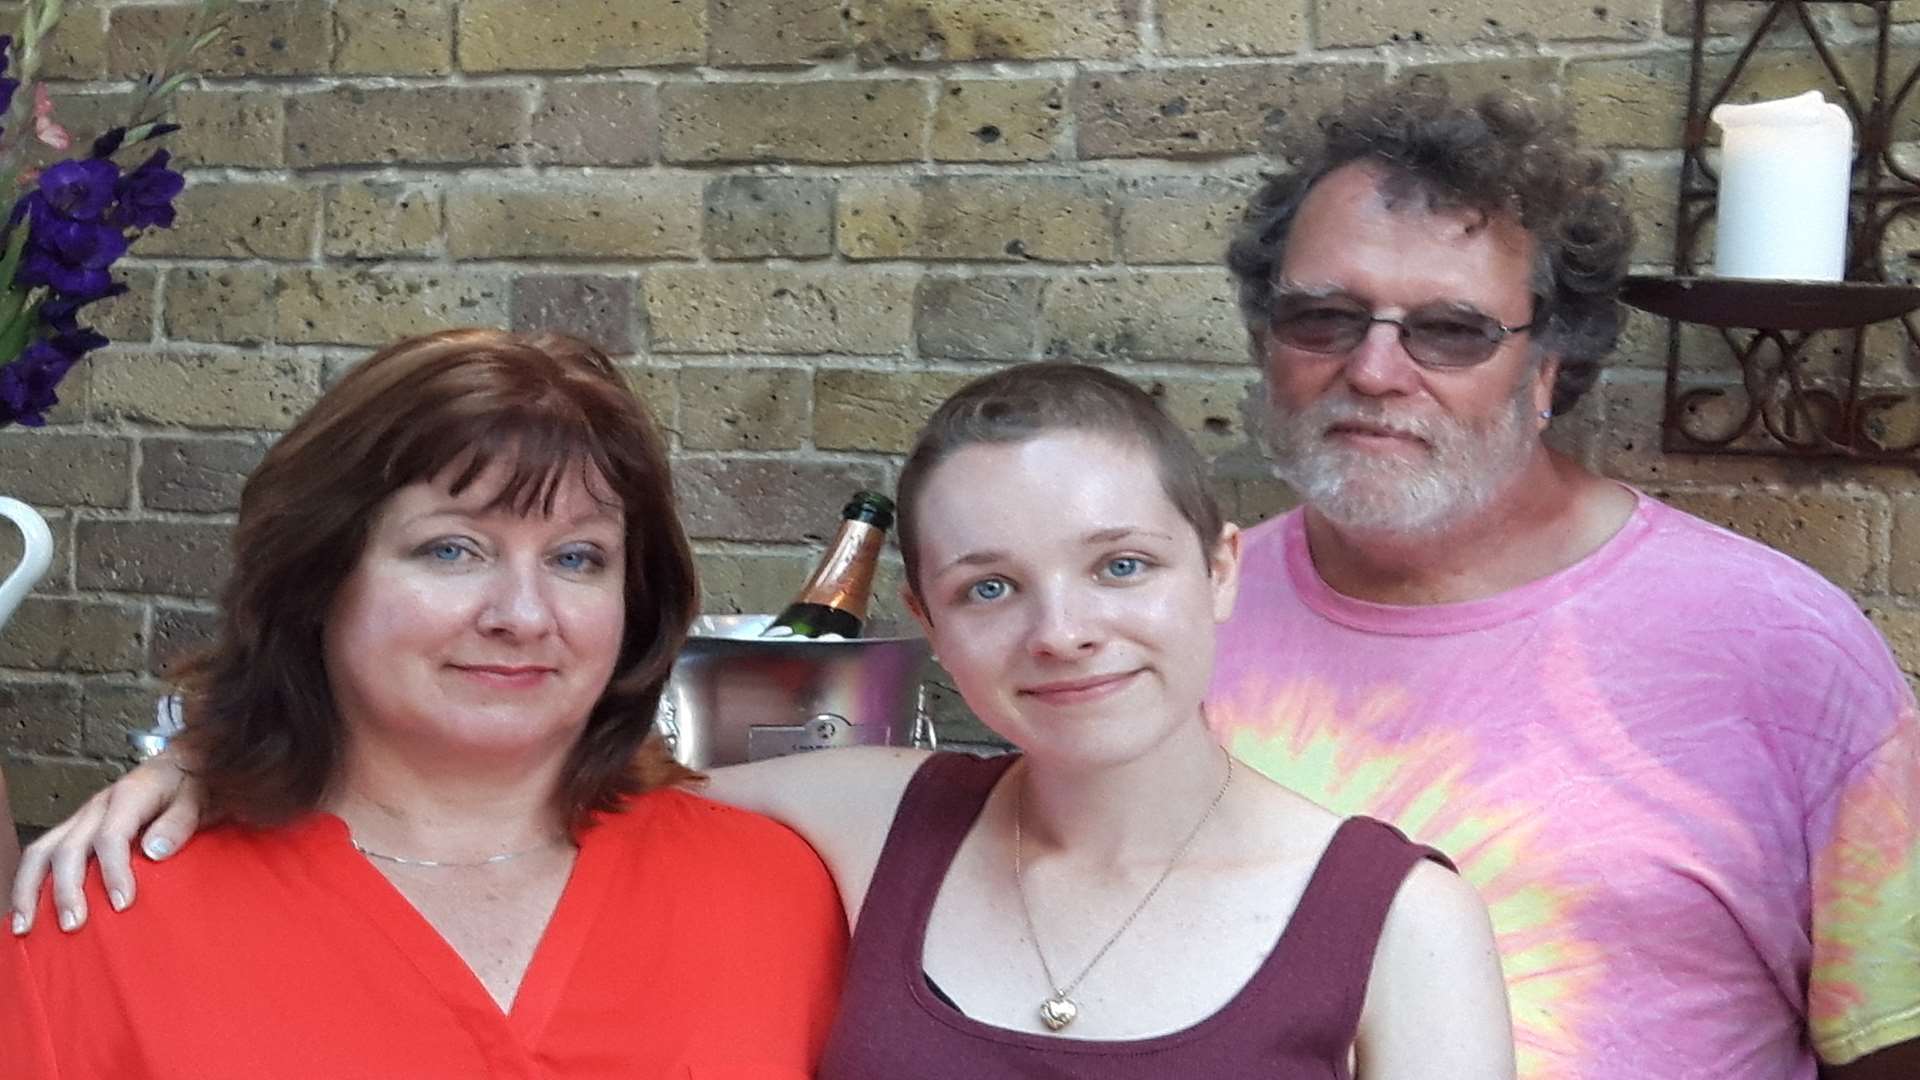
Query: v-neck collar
341	872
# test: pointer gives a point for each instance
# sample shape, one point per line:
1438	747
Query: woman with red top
451	847
1119	900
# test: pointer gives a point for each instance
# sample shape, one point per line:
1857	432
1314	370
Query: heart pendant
1058	1011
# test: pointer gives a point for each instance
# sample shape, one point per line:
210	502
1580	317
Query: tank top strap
1326	952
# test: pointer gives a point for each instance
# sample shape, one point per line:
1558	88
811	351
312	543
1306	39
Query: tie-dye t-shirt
1683	774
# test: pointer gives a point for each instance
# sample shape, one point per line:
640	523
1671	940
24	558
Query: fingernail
158	848
19	924
118	899
69	919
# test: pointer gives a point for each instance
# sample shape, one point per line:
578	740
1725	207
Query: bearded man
1681	768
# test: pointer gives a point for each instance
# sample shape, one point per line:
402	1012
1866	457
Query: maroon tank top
1294	1019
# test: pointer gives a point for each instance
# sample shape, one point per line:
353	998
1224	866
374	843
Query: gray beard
1467	467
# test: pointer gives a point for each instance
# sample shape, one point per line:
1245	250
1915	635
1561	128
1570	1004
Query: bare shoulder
1434	906
1436	1004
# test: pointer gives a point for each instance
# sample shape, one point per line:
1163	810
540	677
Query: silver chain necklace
1060	1009
437	864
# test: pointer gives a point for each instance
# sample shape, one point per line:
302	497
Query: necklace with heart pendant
1059	1010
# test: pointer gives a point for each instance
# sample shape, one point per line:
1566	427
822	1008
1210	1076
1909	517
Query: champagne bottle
834	599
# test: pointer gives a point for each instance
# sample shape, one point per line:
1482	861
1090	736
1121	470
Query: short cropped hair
261	719
1500	156
1026	401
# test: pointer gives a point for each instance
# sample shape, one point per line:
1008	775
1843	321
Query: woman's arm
839	801
159	790
1436	1004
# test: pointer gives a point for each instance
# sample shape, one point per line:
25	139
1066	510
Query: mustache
1330	412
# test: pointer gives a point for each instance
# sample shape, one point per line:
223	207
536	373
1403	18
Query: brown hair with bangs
1029	400
260	715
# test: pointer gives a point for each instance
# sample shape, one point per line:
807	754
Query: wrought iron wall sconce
1803	379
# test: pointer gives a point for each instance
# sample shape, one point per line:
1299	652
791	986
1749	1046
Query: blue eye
988	589
1125	566
580	559
444	551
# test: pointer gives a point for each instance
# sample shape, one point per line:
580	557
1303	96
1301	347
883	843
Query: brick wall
804	221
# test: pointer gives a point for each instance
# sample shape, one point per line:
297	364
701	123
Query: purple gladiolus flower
27	384
60	313
70	256
146	194
79	342
82	189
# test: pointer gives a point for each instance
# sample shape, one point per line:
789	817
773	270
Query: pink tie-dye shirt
1683	773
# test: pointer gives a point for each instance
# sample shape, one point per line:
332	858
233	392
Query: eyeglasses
1435	335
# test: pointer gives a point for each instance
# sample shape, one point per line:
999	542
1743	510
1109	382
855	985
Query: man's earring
1546	414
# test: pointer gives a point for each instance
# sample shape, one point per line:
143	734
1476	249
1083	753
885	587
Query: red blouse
692	941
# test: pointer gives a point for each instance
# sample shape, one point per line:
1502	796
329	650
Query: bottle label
844	579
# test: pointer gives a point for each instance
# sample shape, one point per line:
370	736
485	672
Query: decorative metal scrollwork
1784	392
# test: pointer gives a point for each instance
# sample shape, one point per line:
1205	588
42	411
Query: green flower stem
17	324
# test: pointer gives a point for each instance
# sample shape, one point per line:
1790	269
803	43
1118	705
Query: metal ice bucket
733	700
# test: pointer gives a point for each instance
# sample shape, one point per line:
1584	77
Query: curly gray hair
1500	155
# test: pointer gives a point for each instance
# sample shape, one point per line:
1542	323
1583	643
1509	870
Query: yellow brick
393	37
1181	219
381	219
279	37
77	49
578	35
787	311
1382	22
239	221
823	122
736	408
1538	77
1051	219
1147	315
998	120
1211	411
1195	112
369	307
1233	27
416	125
245	128
232	305
754	217
755	32
1900	625
658	388
736	584
1905	575
655	218
1653	193
1640	102
203	390
907	31
876	410
128	317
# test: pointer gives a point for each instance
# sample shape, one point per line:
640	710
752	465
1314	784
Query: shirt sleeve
1864	986
26	1037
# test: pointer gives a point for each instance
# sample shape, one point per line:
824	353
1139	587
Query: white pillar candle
1785	169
